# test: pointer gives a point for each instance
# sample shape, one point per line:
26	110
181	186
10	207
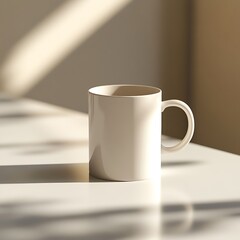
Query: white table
46	193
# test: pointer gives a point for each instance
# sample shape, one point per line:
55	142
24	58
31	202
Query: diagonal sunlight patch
54	39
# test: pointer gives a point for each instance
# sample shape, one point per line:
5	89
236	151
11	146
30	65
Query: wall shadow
175	20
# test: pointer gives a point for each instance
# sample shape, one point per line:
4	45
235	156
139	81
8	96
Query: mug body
125	132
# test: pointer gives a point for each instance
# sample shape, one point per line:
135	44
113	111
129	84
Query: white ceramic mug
125	131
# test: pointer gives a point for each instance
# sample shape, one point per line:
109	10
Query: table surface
47	194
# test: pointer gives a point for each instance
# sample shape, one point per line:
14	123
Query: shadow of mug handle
191	125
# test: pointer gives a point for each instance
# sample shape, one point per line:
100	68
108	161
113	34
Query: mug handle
190	130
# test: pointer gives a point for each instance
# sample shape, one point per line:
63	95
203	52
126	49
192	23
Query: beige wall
215	82
123	50
188	48
143	43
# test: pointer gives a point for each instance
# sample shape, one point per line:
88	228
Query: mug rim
155	90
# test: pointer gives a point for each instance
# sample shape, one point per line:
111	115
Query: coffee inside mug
124	90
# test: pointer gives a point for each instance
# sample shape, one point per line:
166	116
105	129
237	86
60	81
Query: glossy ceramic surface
125	131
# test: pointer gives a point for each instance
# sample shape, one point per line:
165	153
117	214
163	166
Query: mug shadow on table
52	173
47	173
180	163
